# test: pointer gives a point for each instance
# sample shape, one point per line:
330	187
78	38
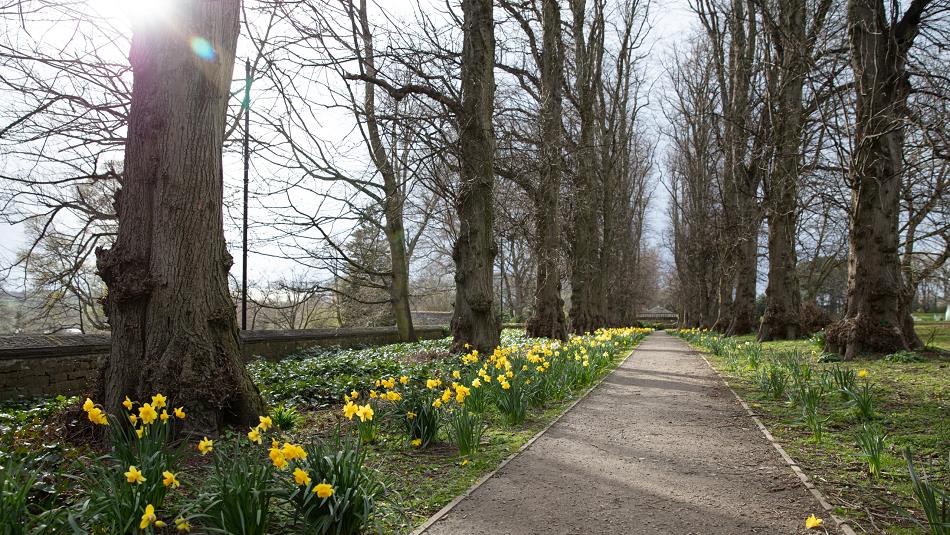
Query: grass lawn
934	333
912	406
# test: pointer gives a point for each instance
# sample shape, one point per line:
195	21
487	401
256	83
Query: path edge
481	481
840	523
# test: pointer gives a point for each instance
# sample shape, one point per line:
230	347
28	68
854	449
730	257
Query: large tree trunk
174	329
394	193
873	320
474	321
586	314
548	320
782	296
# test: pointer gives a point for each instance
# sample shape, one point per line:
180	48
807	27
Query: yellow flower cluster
363	412
282	455
254	435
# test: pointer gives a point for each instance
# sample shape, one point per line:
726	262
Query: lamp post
247	165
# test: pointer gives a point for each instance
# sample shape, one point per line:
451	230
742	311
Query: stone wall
32	365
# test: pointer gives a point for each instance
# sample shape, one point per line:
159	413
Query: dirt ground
660	447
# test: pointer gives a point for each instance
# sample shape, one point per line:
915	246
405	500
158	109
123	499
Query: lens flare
203	49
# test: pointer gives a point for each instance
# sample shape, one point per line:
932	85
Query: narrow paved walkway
660	447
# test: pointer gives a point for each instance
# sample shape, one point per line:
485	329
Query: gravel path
661	446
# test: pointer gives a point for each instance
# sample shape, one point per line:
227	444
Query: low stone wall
33	365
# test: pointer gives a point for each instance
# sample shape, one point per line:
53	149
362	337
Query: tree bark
782	296
474	321
873	320
174	327
548	319
393	193
743	307
586	314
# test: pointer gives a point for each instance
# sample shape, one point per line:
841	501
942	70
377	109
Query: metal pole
247	165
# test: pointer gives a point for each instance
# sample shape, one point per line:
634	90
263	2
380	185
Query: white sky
672	22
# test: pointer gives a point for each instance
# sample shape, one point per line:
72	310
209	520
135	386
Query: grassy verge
935	334
911	405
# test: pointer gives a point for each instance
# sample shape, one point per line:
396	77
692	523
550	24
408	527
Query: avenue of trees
491	154
524	154
821	125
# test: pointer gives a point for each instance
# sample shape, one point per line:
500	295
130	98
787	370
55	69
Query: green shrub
810	402
934	500
355	489
871	441
845	380
903	357
238	497
861	400
285	417
466	428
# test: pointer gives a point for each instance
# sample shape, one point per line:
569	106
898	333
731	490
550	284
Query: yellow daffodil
293	451
403	380
182	525
349	410
456	374
127	403
147	413
158	401
276	456
134	476
301	477
169	479
373	394
88	405
392	395
354	395
476	383
139	432
813	522
437	403
148	517
163	416
862	373
416	442
265	422
432	384
365	413
205	446
180	413
505	385
254	435
134	419
96	416
410	415
323	490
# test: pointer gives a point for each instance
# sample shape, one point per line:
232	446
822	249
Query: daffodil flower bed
847	423
400	447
